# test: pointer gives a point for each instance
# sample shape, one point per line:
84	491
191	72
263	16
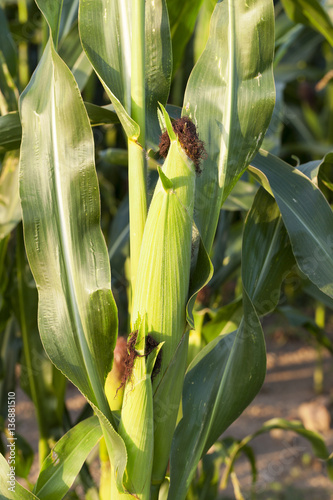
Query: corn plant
157	413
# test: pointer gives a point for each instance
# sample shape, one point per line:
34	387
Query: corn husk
162	287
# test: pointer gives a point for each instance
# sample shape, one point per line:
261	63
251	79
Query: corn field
165	168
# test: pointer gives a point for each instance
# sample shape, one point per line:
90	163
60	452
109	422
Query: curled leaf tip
189	140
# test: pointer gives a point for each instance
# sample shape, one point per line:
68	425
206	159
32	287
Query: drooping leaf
214	379
306	214
311	13
230	97
315	439
61	467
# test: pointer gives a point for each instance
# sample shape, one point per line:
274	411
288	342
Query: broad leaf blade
52	14
64	242
61	467
65	247
311	13
265	237
307	216
105	34
12	491
105	30
230	96
183	16
219	384
158	65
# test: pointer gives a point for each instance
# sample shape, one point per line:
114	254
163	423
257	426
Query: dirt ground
287	468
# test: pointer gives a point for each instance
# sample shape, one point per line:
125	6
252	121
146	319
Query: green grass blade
230	96
63	464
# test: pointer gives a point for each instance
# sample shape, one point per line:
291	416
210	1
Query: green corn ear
162	287
136	425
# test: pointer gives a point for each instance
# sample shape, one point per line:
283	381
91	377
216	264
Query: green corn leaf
105	34
306	214
64	243
9	491
298	319
311	13
265	236
7	44
68	17
9	92
183	16
158	67
230	97
40	379
220	382
10	132
201	33
226	320
315	439
10	207
227	374
63	464
102	25
52	13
